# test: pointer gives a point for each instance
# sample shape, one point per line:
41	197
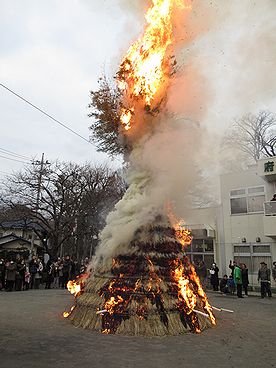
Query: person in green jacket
238	280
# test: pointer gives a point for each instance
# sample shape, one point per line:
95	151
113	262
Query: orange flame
183	235
67	314
76	287
112	302
143	69
73	287
186	290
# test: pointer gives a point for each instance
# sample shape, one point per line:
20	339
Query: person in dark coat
231	285
245	280
214	279
274	271
33	269
49	274
223	285
67	267
202	272
20	274
10	275
264	277
2	274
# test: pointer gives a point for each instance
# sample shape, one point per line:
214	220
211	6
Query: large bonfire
141	282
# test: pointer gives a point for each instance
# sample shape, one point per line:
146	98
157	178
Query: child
231	285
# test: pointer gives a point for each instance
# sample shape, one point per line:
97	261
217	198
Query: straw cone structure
139	293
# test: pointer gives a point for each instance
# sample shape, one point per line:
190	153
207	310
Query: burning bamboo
222	309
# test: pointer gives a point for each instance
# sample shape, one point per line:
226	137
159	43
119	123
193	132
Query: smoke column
225	52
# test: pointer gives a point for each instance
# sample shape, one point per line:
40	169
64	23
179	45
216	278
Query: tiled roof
21	224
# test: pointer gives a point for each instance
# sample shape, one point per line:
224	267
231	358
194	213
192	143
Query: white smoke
227	69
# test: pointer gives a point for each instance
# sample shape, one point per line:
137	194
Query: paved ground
33	334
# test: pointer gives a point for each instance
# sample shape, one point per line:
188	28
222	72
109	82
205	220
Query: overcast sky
52	53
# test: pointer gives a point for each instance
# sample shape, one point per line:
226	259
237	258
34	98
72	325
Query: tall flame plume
143	69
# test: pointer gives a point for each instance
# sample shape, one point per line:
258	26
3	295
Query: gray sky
52	53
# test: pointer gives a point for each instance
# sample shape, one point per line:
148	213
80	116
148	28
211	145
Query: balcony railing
270	208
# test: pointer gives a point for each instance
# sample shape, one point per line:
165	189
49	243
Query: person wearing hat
264	278
274	271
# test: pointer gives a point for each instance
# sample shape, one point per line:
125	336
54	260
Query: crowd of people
238	280
23	274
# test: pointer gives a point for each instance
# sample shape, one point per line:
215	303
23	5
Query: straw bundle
143	287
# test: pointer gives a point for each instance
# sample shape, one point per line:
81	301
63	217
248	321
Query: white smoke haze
227	59
236	56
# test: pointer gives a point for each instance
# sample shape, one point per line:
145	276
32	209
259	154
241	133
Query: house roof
21	224
11	238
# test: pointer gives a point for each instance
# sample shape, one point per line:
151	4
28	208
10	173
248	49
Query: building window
201	250
238	205
247	200
252	255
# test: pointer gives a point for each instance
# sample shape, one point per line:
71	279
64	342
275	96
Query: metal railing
270	208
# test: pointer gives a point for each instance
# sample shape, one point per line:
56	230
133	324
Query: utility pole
40	173
41	163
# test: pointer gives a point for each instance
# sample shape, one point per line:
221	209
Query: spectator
232	267
223	285
49	274
245	280
274	271
238	280
33	269
264	278
2	274
67	266
231	285
60	274
273	198
20	274
202	272
214	276
55	275
83	267
73	270
10	275
27	278
38	275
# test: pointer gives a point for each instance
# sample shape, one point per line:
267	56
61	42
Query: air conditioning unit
211	233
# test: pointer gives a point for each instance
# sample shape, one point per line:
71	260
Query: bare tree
67	193
254	135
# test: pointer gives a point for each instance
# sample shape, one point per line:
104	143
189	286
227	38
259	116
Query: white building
243	227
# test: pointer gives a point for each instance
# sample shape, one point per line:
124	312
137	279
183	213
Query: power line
10	153
45	113
13	159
